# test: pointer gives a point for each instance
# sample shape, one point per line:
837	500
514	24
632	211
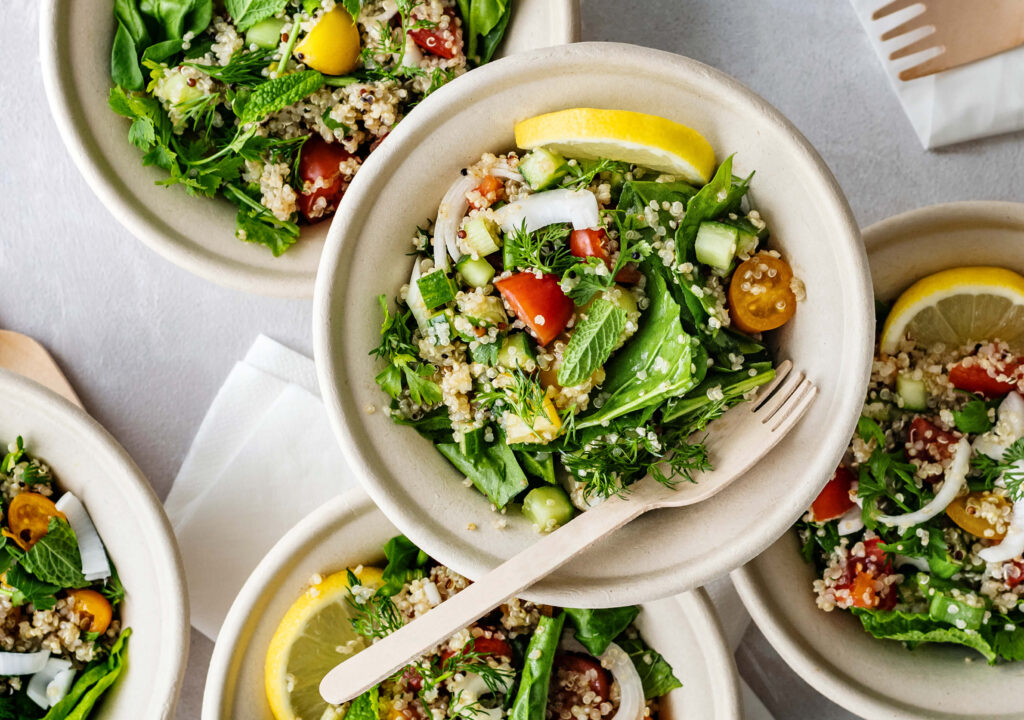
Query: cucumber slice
913	392
515	352
716	244
543	168
955	612
265	34
488	312
436	289
472	442
547	508
477	272
481	237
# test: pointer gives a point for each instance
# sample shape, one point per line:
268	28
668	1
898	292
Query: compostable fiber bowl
197	234
831	651
88	462
350	531
667	551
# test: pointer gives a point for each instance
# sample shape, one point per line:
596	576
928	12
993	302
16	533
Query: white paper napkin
263	459
977	100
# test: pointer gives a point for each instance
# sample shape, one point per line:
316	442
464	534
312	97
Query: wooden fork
962	31
736	441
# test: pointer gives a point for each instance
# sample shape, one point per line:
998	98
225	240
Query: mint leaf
28	589
592	342
973	418
247	13
916	628
278	94
55	557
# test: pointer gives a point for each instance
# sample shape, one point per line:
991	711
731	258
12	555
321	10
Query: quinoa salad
523	660
920	532
571	322
275	105
61	641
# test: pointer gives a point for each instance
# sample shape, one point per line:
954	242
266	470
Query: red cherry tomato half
834	499
594	243
319	168
1013	573
484	646
928	442
863	571
976	379
539	302
443	43
589	668
491	190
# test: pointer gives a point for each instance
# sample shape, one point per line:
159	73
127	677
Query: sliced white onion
412	56
578	207
95	564
956	475
620	665
1009	427
12	663
851	521
433	596
466	690
1012	545
61	685
39	687
919	562
449	219
415	300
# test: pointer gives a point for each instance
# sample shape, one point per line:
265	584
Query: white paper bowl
831	651
668	551
350	531
195	233
88	461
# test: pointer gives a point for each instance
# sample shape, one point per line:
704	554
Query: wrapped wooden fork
961	31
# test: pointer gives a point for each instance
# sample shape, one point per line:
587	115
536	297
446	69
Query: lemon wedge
314	636
956	307
624	136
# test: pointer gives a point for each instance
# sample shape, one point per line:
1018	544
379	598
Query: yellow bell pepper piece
332	46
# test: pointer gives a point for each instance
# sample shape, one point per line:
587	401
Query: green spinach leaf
124	60
405	562
495	472
656	674
591	342
532	696
595	629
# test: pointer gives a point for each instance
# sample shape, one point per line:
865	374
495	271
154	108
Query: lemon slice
956	307
621	135
314	636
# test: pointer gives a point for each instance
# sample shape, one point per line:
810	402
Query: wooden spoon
25	356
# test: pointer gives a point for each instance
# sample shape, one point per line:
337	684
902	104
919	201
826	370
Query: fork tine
768	388
894	7
795	406
928	42
779	397
915	23
939	61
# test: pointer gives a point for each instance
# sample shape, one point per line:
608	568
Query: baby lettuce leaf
495	471
279	93
592	342
916	628
532	696
595	629
718	197
655	673
366	706
655	364
55	558
247	13
405	562
97	678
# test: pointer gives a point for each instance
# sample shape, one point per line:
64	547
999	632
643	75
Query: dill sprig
245	67
523	396
374	617
582	173
545	250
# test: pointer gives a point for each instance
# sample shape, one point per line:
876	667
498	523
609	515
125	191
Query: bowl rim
346	419
820	672
133	485
354	503
64	102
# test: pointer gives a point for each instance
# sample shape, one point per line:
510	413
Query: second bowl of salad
549	294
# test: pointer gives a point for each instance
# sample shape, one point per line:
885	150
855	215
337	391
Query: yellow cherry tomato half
28	517
982	514
760	296
332	46
94	608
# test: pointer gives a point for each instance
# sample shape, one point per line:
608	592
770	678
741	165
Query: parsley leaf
397	349
55	558
973	418
592	342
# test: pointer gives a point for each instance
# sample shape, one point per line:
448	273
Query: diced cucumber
543	168
472	442
516	351
540	464
477	272
481	237
913	392
548	508
716	244
944	608
440	327
265	34
488	312
436	288
929	585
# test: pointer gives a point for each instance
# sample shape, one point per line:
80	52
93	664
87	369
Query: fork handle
388	655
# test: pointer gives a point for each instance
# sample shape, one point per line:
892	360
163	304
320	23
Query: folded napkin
973	101
263	459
